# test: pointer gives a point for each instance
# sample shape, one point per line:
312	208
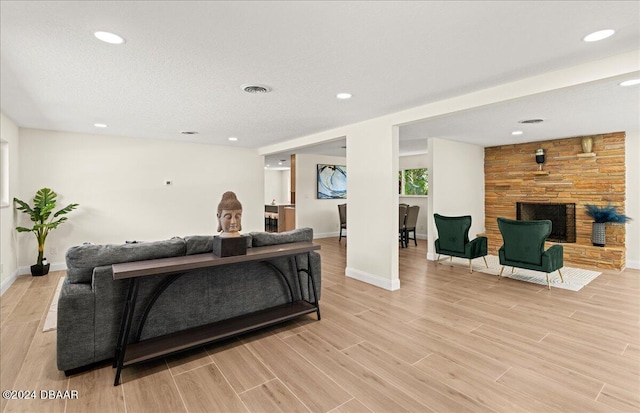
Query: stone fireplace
569	176
562	217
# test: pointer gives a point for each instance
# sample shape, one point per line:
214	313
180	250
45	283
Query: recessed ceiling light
630	82
108	37
189	132
232	138
516	132
100	125
599	35
343	96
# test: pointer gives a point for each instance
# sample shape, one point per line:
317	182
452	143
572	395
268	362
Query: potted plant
41	214
602	215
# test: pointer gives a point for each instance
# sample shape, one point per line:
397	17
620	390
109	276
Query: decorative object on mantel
601	216
540	158
44	203
229	242
587	144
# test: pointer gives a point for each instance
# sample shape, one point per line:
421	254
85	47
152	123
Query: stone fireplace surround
568	176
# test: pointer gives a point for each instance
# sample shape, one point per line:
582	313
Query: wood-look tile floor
447	341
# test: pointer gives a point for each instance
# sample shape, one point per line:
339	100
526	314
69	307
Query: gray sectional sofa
91	302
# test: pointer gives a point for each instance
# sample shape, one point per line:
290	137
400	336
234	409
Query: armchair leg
548	283
500	275
560	273
485	261
438	259
470	267
513	269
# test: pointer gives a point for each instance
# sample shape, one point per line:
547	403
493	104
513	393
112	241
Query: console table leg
296	271
125	314
313	284
125	327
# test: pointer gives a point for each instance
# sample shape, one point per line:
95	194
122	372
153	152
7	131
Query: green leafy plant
605	214
43	216
414	181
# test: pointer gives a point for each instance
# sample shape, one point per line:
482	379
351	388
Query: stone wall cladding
510	177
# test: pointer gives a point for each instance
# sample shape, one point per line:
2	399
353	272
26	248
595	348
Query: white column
372	203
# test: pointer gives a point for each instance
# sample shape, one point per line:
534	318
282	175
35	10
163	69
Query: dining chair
410	224
402	216
342	212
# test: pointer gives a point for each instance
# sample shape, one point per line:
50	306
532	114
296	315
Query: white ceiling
183	65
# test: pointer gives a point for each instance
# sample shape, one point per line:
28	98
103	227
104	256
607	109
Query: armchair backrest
342	211
453	232
524	240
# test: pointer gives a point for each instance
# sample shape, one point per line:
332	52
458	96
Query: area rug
51	322
574	278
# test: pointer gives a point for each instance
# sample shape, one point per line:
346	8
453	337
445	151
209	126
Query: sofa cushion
261	239
201	244
82	259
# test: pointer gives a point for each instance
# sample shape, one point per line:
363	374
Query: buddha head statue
229	215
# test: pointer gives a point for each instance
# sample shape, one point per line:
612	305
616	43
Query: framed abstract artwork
332	181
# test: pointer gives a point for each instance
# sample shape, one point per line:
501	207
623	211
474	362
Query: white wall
632	150
277	185
456	185
415	162
119	184
273	187
319	214
8	248
285	184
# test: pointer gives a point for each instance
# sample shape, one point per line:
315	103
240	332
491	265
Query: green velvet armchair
524	247
453	239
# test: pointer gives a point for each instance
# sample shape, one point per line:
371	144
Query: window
4	173
413	182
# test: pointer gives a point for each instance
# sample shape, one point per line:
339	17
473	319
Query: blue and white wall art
332	181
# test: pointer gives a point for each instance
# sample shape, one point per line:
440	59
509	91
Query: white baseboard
328	235
372	279
8	282
344	234
59	266
633	264
55	266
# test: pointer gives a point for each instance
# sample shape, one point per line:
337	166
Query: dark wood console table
131	353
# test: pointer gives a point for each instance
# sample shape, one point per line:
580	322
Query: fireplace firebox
562	217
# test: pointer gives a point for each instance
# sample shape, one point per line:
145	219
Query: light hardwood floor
447	341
